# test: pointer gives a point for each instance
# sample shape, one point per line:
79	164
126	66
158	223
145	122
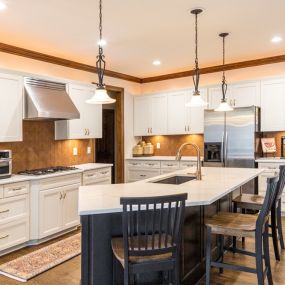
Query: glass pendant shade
100	97
224	107
196	101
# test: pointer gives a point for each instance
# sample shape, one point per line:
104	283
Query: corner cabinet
150	115
11	108
90	123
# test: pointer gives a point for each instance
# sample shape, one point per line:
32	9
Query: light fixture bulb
224	107
276	39
101	43
196	101
156	62
100	97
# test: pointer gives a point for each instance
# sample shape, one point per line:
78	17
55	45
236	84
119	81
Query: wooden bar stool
255	202
243	225
152	228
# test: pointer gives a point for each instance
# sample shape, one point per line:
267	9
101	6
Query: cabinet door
158	115
50	212
245	95
70	217
272	105
177	122
90	123
11	108
215	96
196	115
142	115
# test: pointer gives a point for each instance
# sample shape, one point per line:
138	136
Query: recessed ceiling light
2	6
276	39
101	43
156	62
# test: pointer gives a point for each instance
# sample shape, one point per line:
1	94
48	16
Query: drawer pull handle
169	164
104	172
60	196
5	211
17	189
142	175
4	236
90	175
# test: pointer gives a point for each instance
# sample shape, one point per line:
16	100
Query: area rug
30	265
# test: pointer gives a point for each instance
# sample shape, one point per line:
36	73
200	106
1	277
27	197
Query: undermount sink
176	179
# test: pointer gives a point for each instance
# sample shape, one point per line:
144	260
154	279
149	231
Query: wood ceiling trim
218	68
89	68
63	62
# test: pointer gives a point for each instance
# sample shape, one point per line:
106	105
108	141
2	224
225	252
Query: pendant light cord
100	63
196	74
224	82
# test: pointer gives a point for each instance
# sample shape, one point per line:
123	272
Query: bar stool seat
118	249
232	224
249	201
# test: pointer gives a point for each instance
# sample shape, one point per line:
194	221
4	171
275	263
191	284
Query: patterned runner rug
28	266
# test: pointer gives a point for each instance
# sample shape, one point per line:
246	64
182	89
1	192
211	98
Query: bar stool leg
259	259
279	225
221	251
266	255
243	238
274	233
234	238
208	256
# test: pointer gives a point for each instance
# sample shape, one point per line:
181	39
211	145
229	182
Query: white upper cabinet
90	123
150	115
215	96
272	105
11	108
245	94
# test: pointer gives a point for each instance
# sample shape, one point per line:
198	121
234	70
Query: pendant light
101	96
196	100
224	106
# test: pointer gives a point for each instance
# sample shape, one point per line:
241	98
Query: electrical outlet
158	145
89	150
75	151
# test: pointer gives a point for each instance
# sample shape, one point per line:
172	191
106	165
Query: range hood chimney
46	100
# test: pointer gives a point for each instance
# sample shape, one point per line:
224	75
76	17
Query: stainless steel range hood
46	100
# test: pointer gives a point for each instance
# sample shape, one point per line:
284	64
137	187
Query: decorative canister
137	151
148	149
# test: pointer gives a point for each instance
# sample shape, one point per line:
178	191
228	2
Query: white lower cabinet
97	176
58	209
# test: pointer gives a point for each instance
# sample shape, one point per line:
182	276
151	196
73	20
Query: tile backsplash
39	149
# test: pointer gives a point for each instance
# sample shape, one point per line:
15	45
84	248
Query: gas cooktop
48	170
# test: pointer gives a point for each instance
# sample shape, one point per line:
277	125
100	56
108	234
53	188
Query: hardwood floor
68	273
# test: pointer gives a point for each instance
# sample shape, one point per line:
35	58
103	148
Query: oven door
5	168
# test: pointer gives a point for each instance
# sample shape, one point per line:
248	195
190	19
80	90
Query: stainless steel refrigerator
232	139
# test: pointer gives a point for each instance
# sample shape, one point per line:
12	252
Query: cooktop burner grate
48	170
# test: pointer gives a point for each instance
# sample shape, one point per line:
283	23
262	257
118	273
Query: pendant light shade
101	96
224	106
196	100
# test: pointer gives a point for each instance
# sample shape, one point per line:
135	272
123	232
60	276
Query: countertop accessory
148	149
5	164
268	145
224	106
196	100
101	96
137	150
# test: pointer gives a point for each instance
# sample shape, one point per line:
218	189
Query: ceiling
139	31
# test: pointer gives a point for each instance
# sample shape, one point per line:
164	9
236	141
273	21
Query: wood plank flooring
68	273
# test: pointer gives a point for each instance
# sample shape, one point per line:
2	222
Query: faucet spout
178	157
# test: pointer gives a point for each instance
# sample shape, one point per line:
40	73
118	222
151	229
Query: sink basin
176	179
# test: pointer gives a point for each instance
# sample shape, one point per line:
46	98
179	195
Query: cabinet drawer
14	233
97	176
170	165
14	208
135	163
151	164
1	191
14	189
144	164
266	165
135	175
187	164
60	181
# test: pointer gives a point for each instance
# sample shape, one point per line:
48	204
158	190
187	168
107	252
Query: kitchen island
101	215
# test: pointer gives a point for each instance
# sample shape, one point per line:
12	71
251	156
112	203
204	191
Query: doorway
110	148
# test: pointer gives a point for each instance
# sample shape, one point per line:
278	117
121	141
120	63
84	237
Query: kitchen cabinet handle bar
17	189
5	211
4	236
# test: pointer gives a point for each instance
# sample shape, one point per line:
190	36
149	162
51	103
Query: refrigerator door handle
222	146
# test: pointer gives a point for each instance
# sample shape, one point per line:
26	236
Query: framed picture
268	145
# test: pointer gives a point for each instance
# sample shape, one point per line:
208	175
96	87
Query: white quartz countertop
184	158
81	168
216	182
92	166
271	159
